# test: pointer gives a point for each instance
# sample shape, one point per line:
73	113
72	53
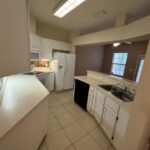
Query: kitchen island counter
20	95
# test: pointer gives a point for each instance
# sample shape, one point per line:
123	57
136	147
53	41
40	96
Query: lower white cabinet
112	118
109	122
99	106
120	130
98	111
90	103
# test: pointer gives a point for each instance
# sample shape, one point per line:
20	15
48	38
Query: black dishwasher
81	93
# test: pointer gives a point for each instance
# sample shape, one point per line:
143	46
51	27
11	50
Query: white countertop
20	95
43	69
94	82
91	81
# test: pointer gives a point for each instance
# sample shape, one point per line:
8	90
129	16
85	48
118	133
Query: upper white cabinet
35	43
61	46
46	52
45	46
90	102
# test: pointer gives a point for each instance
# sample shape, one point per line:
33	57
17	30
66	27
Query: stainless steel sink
122	94
125	96
111	88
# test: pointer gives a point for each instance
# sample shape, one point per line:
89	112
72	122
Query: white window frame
112	63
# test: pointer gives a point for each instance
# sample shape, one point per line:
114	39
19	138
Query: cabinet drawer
112	105
100	96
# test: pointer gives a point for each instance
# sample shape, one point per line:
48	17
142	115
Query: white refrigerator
64	70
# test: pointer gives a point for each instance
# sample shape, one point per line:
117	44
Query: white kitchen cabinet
110	117
56	45
66	46
91	98
99	106
50	81
120	129
35	43
61	46
46	52
109	122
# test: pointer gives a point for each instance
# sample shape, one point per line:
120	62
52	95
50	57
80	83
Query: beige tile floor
71	128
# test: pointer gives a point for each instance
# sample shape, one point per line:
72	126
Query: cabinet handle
117	118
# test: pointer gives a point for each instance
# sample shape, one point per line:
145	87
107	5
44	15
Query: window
140	67
119	63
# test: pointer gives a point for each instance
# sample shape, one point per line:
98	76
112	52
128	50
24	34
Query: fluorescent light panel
67	7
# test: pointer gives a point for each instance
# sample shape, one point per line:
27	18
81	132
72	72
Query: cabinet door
120	129
35	43
56	45
61	45
99	105
98	110
46	49
39	43
109	122
66	46
90	100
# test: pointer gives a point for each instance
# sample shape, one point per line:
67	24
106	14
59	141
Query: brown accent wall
134	51
52	32
88	58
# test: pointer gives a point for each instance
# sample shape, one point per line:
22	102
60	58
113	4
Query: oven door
43	79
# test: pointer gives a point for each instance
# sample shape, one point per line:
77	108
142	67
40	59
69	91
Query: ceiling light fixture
67	7
116	44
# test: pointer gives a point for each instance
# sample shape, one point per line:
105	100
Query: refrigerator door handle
65	66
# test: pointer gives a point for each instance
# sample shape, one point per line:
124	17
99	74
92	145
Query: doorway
139	68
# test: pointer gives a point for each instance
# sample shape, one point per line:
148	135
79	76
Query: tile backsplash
40	63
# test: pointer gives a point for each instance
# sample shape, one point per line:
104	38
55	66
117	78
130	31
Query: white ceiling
81	19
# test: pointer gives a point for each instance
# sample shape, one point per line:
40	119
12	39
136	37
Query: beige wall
53	32
136	29
14	37
138	131
88	58
32	23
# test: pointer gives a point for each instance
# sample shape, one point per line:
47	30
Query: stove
42	76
